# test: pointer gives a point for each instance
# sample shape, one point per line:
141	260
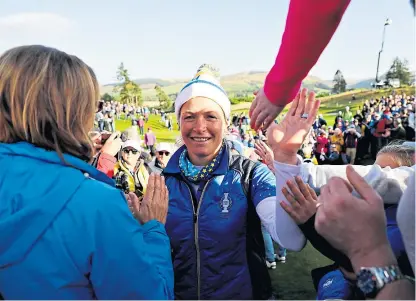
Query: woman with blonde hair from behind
66	231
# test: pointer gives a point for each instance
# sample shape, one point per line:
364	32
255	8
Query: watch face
366	281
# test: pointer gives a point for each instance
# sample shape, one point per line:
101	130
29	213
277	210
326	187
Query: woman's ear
226	124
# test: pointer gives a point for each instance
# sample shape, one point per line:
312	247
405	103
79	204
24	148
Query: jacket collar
222	169
28	150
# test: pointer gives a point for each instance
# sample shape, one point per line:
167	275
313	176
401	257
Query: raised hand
265	153
262	111
154	204
302	199
286	138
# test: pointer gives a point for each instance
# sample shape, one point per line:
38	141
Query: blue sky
171	38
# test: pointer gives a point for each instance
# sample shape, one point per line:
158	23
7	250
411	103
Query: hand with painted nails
302	199
154	204
286	138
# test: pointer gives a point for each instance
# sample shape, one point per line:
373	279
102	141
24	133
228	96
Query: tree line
129	92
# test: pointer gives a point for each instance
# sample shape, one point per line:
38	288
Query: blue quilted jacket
207	229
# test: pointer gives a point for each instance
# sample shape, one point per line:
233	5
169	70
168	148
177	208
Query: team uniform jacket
217	247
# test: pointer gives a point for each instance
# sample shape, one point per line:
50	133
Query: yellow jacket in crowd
338	140
136	181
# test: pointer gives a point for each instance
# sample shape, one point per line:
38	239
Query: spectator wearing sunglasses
163	153
130	173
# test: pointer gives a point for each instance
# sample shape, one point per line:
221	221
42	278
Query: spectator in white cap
163	153
130	173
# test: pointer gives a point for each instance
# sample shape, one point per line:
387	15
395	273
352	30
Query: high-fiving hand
154	204
262	111
286	138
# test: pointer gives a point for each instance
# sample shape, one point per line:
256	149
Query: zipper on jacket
198	255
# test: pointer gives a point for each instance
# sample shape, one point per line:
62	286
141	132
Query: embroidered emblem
225	203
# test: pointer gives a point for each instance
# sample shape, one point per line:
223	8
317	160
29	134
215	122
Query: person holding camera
122	159
130	172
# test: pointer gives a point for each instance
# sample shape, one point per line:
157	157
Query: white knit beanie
206	83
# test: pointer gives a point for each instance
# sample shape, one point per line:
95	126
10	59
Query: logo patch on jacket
225	205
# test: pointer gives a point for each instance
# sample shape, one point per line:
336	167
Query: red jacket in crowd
322	143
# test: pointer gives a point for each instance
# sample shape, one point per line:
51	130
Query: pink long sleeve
310	25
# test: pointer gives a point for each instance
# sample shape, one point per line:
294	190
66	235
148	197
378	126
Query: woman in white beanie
213	220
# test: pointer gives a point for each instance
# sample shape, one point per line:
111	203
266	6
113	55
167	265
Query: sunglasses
161	153
133	151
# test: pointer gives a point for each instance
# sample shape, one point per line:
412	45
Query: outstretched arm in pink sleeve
310	25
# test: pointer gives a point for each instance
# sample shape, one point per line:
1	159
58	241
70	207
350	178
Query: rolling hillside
244	82
235	84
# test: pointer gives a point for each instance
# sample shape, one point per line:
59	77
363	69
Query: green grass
159	129
292	280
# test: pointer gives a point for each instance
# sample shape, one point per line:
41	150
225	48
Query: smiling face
202	125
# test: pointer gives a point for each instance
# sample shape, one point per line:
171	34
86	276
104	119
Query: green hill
234	84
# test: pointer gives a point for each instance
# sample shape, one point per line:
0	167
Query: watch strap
387	275
379	276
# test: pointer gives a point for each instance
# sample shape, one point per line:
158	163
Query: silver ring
305	115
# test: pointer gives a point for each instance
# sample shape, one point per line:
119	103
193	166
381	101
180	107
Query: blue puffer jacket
209	240
67	233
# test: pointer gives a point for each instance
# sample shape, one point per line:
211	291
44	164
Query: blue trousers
268	244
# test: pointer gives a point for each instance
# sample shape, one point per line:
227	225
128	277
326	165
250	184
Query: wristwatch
370	280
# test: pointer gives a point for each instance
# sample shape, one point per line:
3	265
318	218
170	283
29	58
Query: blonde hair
47	98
